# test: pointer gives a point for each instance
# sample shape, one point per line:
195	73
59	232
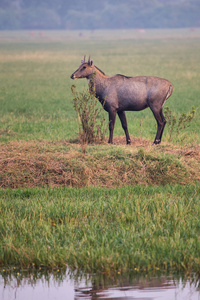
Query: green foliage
96	14
91	117
176	124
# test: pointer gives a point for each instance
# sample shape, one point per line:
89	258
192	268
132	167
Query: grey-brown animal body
121	93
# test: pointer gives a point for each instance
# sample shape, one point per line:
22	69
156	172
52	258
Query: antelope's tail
170	91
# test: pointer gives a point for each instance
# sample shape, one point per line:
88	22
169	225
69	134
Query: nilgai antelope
121	93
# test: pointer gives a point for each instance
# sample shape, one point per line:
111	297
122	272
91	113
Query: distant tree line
98	14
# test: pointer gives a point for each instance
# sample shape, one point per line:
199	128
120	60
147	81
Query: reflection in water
65	285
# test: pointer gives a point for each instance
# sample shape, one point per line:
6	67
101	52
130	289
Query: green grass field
117	207
102	230
36	100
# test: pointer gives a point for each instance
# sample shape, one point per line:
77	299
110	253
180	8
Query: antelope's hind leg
160	125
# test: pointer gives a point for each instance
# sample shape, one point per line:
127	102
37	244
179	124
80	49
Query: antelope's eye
83	68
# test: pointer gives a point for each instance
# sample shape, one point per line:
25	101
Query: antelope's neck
97	81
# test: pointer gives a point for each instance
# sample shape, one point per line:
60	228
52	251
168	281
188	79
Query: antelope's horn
89	60
83	60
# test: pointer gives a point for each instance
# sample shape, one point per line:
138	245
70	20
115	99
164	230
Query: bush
91	117
176	124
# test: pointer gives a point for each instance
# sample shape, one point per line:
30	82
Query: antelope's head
86	70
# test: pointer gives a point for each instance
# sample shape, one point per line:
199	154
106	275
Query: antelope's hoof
156	142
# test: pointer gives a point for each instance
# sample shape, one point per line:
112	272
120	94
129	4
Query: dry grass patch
44	163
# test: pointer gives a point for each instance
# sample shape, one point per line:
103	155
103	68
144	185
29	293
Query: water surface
65	285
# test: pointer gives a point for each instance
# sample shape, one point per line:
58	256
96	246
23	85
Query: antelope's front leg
112	117
122	117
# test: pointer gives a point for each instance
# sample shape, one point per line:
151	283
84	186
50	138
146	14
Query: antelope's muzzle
72	76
